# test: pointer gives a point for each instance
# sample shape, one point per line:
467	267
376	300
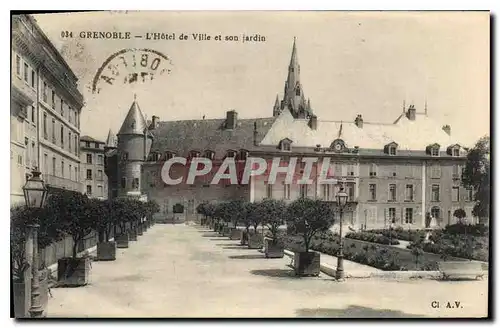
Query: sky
351	63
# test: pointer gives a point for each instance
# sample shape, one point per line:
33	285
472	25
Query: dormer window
453	150
242	156
168	155
297	91
433	150
194	153
231	154
285	145
391	149
209	154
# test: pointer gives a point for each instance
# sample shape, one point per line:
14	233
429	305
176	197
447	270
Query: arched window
209	154
243	154
436	213
231	154
168	155
194	153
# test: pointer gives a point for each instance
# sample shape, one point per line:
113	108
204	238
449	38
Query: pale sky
351	63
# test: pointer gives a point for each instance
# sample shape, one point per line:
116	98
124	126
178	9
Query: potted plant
106	249
121	213
307	218
209	209
249	210
235	210
74	212
152	208
255	240
272	213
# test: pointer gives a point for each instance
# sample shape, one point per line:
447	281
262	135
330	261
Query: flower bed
377	238
379	256
401	234
462	246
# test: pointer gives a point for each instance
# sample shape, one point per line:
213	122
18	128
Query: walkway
187	271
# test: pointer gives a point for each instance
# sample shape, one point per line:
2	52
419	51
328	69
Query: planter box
226	231
139	230
22	302
273	249
307	264
73	272
243	237
106	251
132	235
235	234
255	241
122	240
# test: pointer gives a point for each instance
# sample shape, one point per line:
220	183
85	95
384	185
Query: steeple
111	140
134	122
276	108
294	98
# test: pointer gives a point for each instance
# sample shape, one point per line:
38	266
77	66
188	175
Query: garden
69	224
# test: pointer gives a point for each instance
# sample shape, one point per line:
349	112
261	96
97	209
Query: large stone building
95	181
393	173
45	111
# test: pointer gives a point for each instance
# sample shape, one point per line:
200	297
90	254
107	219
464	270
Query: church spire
276	108
111	140
294	99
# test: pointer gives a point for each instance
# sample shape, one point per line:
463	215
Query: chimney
313	122
447	129
255	133
411	113
231	118
153	123
359	121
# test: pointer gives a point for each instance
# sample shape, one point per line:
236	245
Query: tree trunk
306	243
75	245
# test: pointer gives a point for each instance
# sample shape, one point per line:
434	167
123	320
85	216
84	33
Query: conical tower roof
134	122
111	140
294	60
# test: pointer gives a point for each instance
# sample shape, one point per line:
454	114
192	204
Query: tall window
435	193
373	170
62	107
18	65
27	150
53	99
326	191
70	172
337	169
392	192
26	72
456	152
62	168
434	151
350	192
44	92
100	159
99	175
69	140
89	190
135	183
373	191
99	191
77	178
45	163
409	192
409	215
435	171
53	131
53	166
456	171
62	136
33	79
455	194
89	174
469	195
33	155
392	150
350	169
124	182
89	158
45	133
269	190
392	215
303	191
76	145
287	190
33	114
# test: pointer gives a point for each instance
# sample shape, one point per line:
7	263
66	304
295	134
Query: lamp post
35	194
341	202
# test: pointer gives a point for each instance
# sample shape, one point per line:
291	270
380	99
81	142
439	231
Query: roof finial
135	96
404	105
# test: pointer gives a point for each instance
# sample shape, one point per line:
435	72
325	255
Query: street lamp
341	203
35	194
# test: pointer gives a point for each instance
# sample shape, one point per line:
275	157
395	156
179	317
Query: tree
272	213
248	214
152	208
459	214
74	212
308	217
476	175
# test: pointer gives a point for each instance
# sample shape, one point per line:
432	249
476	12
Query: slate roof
411	136
134	122
111	140
89	138
184	136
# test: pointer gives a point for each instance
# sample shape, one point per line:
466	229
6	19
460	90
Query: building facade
394	173
45	111
93	177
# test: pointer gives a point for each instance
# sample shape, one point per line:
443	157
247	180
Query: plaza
189	271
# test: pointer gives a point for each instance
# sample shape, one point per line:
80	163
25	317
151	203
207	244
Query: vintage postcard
267	164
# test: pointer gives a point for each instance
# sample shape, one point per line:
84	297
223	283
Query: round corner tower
134	143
